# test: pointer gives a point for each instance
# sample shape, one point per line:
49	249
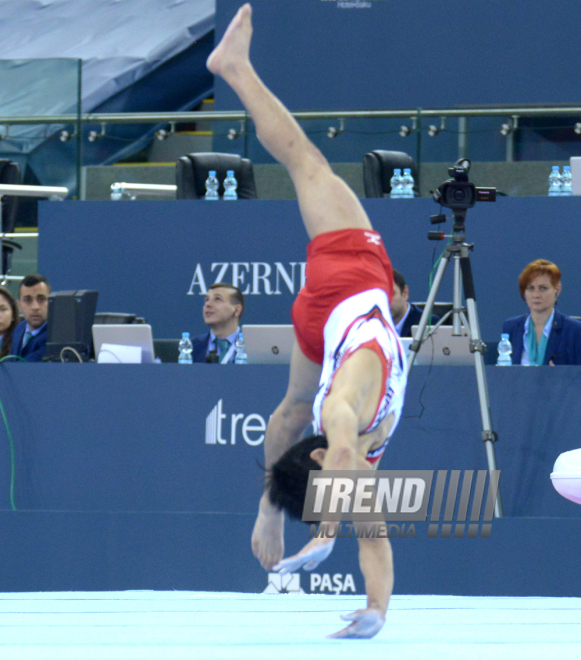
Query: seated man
347	367
29	336
223	307
405	315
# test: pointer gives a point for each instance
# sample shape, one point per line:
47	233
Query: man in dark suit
29	337
223	307
404	314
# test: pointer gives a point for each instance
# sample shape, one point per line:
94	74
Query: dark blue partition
155	259
121	484
43	551
137	437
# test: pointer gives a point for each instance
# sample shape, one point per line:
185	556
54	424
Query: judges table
148	476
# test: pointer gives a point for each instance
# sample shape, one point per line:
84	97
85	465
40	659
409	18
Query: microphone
212	357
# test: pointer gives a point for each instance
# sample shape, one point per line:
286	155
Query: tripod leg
488	435
458	308
417	342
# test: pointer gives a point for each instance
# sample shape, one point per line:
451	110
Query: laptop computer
442	348
268	344
576	174
125	334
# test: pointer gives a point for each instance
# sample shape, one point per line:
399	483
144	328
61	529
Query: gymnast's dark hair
286	481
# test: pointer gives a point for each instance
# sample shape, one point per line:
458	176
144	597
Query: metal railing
185	117
54	193
416	115
122	190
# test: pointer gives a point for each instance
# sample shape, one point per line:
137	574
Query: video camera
458	193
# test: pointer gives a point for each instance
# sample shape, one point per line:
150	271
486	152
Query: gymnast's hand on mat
365	623
308	558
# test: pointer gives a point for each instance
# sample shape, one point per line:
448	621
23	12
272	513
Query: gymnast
347	368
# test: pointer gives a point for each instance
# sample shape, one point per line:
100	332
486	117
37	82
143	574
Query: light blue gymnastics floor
148	625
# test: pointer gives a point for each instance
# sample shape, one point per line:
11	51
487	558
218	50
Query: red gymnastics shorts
339	265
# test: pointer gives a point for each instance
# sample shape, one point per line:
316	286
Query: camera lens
459	194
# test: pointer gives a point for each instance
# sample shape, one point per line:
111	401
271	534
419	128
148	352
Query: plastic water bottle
212	186
566	187
185	348
504	351
555	186
408	184
396	185
230	185
240	357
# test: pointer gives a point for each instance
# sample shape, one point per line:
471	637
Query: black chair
116	318
439	308
167	350
192	172
378	169
491	354
9	173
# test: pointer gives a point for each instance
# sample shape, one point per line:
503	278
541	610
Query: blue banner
157	259
401	54
191	438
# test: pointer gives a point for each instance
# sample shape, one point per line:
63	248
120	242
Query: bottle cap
567	168
230	173
555	168
185	335
212	173
407	170
397	171
504	336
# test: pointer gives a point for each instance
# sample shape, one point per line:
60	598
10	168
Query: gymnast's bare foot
267	535
234	47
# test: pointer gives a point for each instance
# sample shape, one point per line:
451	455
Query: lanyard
229	354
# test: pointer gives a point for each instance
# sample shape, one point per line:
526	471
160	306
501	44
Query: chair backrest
167	350
192	172
378	169
114	318
439	308
9	173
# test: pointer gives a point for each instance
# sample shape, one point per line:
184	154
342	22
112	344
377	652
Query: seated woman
544	336
9	319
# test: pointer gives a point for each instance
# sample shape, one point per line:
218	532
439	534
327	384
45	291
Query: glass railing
39	106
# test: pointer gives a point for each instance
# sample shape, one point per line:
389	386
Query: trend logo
251	427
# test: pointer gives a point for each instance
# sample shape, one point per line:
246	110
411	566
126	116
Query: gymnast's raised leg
326	202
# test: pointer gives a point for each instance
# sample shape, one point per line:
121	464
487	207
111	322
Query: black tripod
459	194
